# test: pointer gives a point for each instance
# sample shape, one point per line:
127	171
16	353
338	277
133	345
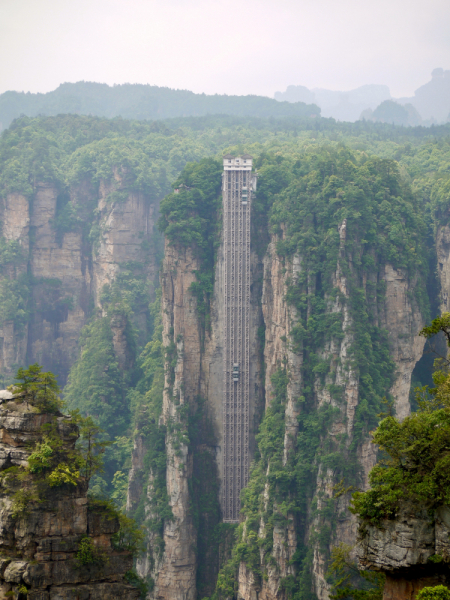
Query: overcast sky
233	47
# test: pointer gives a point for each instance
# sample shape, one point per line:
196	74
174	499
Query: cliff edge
55	542
412	550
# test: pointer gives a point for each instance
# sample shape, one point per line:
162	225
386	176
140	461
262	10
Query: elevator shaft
237	200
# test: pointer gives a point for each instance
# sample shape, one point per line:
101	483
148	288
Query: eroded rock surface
412	550
70	269
39	544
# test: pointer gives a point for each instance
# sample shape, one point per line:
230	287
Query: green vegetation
415	469
89	554
65	454
389	186
58	458
38	389
438	592
146	405
96	385
191	217
391	112
22	590
14	285
130	537
348	582
138	582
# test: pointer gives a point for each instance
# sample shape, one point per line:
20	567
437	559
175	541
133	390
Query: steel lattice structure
238	183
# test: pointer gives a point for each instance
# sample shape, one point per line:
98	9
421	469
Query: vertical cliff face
192	417
403	321
13	336
400	316
443	264
401	548
65	272
58	284
335	327
177	570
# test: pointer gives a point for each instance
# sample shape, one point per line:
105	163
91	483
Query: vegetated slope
66	180
339	227
335	275
70	184
141	102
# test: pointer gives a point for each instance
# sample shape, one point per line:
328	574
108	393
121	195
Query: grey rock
14	571
405	542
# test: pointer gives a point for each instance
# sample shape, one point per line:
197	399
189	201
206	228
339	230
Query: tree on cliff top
38	388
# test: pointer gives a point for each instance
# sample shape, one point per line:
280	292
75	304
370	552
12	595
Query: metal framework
237	195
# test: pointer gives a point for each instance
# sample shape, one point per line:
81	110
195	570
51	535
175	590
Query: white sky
231	46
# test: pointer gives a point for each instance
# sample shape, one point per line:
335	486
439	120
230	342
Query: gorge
350	257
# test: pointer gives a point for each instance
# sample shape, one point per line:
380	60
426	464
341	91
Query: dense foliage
96	385
415	469
347	582
438	592
38	389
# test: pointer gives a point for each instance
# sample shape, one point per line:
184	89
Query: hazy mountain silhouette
135	101
343	106
432	100
430	103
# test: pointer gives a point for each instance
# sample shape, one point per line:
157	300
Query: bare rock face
403	321
443	264
412	550
70	269
175	574
39	543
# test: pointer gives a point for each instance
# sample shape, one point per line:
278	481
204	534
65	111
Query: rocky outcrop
40	537
443	264
176	575
68	270
403	321
413	551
